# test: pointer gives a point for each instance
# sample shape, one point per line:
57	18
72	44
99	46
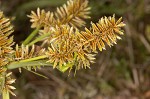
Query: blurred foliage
122	72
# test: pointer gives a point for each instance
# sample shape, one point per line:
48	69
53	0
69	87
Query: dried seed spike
25	52
105	31
41	18
7	84
5	31
73	13
120	19
11	81
11	87
8	74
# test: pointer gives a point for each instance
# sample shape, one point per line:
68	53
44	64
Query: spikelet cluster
66	48
60	52
6	42
42	18
73	13
67	44
24	52
8	54
106	31
8	83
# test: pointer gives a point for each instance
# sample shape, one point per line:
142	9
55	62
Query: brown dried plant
63	45
72	13
5	53
67	44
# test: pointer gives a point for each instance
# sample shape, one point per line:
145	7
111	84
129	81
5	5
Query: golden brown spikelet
24	52
73	13
61	47
66	48
41	18
83	53
3	62
84	59
107	30
60	55
8	83
5	31
6	42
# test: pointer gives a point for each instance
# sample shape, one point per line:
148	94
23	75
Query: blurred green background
120	72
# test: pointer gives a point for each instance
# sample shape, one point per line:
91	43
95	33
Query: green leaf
15	65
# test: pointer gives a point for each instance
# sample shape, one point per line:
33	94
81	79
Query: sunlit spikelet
61	50
84	59
107	30
59	56
5	31
41	18
62	33
24	52
6	42
3	62
73	13
58	33
84	56
8	83
66	47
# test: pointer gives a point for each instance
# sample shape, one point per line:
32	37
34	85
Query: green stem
39	39
34	59
5	94
19	64
30	37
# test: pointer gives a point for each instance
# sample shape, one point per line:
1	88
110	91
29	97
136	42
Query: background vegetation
122	72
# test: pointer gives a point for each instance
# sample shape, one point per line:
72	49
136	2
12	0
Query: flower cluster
73	13
66	43
6	50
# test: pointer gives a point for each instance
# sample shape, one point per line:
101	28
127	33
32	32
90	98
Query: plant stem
39	39
28	62
5	94
15	65
30	37
34	59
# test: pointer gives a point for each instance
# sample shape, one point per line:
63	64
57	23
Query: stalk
39	39
5	94
31	36
34	59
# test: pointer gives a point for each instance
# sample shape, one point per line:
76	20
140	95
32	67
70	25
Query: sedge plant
63	45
